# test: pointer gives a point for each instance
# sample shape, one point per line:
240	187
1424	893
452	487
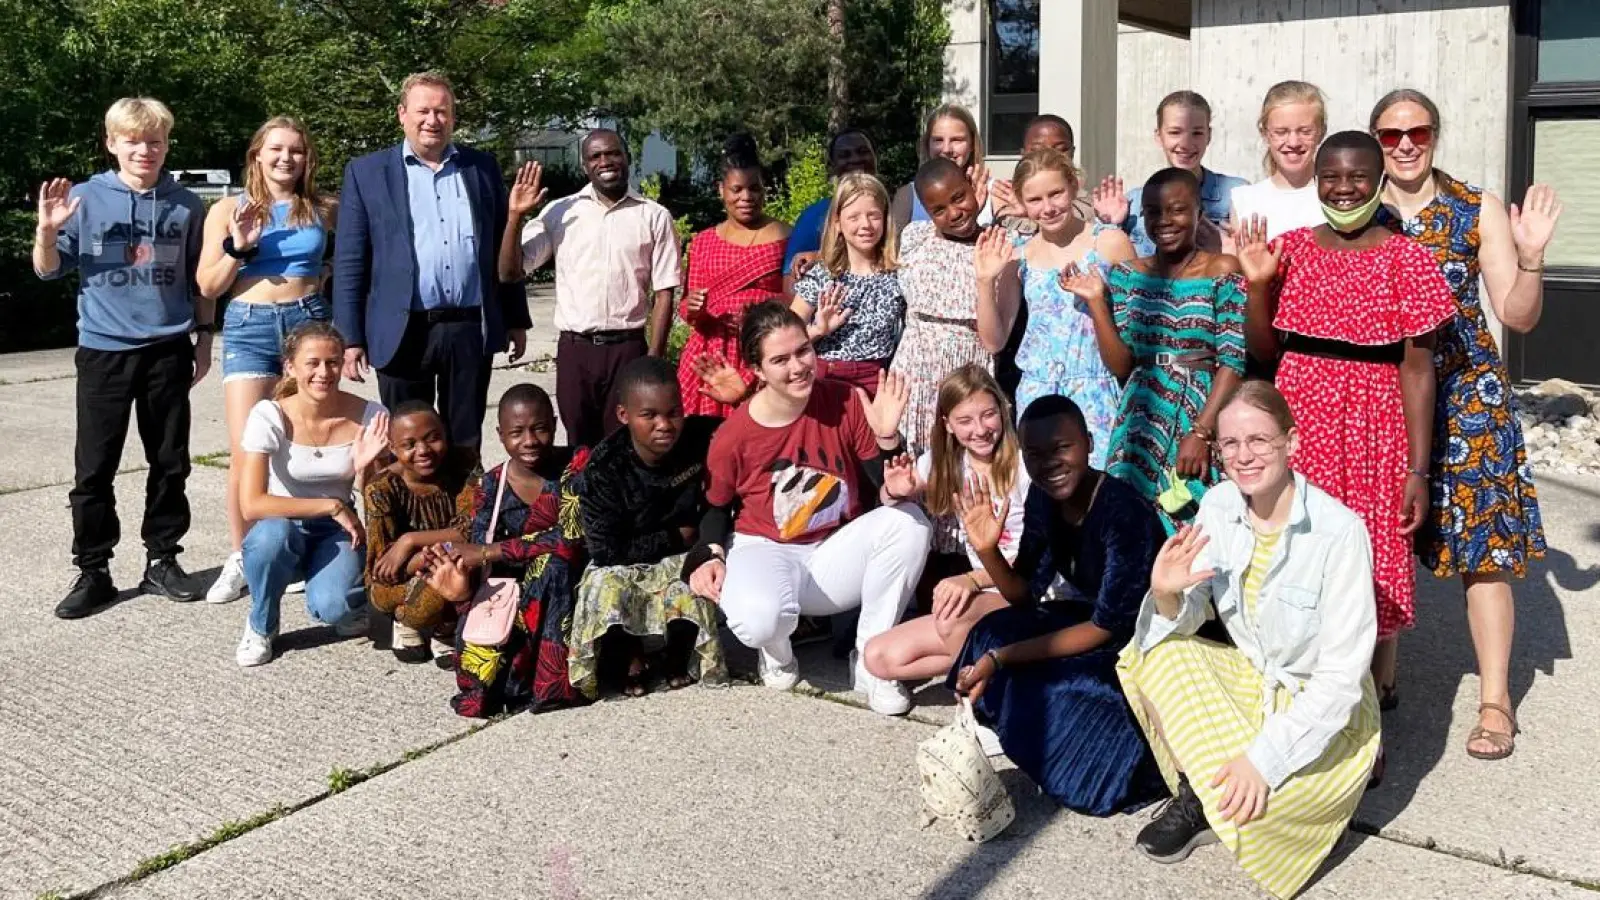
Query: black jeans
154	383
443	361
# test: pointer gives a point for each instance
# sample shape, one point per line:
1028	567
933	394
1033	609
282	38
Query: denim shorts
253	333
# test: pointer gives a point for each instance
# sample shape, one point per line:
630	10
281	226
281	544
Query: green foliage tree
698	70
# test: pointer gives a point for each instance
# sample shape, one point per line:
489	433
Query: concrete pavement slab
133	730
728	794
1531	807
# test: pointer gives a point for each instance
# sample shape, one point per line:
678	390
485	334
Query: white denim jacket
1316	620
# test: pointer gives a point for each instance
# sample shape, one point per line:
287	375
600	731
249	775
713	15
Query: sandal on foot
1504	743
635	683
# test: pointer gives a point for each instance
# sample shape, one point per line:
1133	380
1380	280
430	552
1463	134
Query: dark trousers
443	362
152	382
586	381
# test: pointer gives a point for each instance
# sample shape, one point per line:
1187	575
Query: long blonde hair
308	206
1287	93
306	331
835	250
944	475
960	114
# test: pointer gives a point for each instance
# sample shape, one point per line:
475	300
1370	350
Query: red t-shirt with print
798	483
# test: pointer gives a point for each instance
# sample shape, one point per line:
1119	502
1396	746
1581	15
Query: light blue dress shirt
443	234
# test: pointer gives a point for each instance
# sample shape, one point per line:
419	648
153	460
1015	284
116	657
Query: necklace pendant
317	452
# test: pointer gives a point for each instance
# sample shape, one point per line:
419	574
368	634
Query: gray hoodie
136	252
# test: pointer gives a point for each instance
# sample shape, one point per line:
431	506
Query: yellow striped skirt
1208	699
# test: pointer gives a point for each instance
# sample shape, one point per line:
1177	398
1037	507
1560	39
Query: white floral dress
941	334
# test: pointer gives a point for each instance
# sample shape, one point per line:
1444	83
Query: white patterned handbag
959	785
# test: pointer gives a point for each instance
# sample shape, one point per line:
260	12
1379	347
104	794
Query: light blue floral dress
1059	355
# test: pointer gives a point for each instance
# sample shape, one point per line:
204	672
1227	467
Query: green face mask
1353	219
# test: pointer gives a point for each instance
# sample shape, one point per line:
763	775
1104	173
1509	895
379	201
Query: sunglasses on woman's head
1420	136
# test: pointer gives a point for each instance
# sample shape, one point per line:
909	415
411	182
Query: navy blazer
375	263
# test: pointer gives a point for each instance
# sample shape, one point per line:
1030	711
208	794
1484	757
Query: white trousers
873	562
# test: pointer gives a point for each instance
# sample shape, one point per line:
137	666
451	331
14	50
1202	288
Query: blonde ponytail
287	387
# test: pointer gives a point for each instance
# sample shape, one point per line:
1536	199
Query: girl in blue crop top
264	251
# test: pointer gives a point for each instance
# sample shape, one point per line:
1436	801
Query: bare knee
877	656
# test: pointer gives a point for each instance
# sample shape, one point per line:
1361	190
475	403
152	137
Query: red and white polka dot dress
1349	413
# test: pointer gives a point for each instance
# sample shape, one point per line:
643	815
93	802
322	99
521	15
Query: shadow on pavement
1438	655
984	862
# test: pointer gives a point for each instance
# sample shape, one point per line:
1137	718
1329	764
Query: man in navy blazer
415	288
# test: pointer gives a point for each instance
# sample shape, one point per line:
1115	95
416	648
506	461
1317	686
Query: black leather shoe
413	655
165	578
92	592
1178	830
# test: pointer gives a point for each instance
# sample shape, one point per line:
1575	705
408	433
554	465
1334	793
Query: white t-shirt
1284	210
300	470
1011	535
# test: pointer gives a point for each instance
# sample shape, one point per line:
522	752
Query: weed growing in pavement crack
217	460
227	831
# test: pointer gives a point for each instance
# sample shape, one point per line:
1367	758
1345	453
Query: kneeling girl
1280	731
641	500
788	470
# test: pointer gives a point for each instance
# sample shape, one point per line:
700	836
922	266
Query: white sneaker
230	584
776	675
254	649
354	626
990	742
295	587
886	698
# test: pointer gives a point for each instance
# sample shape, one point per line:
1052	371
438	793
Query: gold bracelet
1533	270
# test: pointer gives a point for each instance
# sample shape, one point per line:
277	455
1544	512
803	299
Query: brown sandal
1504	744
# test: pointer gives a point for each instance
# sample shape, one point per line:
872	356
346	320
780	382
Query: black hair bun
739	152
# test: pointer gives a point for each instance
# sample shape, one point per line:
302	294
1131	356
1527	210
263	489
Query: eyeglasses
1259	444
1420	136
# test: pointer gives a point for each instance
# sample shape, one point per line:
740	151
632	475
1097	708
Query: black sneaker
92	592
1179	828
165	578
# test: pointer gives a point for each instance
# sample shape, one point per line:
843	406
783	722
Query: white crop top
301	470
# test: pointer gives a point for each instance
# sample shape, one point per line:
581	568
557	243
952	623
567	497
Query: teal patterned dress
1163	321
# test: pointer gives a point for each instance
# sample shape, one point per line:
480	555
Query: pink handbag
494	606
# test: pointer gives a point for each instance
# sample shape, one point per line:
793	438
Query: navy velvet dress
1065	721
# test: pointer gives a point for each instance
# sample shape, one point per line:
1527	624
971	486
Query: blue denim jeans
278	552
253	333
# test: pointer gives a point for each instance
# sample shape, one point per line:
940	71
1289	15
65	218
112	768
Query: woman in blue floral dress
1485	525
1058	353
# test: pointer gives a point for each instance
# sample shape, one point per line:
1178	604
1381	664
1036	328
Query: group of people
1140	473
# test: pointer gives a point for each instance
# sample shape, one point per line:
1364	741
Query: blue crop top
290	252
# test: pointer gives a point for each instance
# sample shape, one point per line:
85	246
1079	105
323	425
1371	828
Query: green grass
217	460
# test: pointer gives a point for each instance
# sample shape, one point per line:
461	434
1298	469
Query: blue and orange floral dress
1485	509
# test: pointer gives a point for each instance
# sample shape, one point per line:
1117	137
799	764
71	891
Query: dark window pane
1569	40
1005	132
1013	72
1014	46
